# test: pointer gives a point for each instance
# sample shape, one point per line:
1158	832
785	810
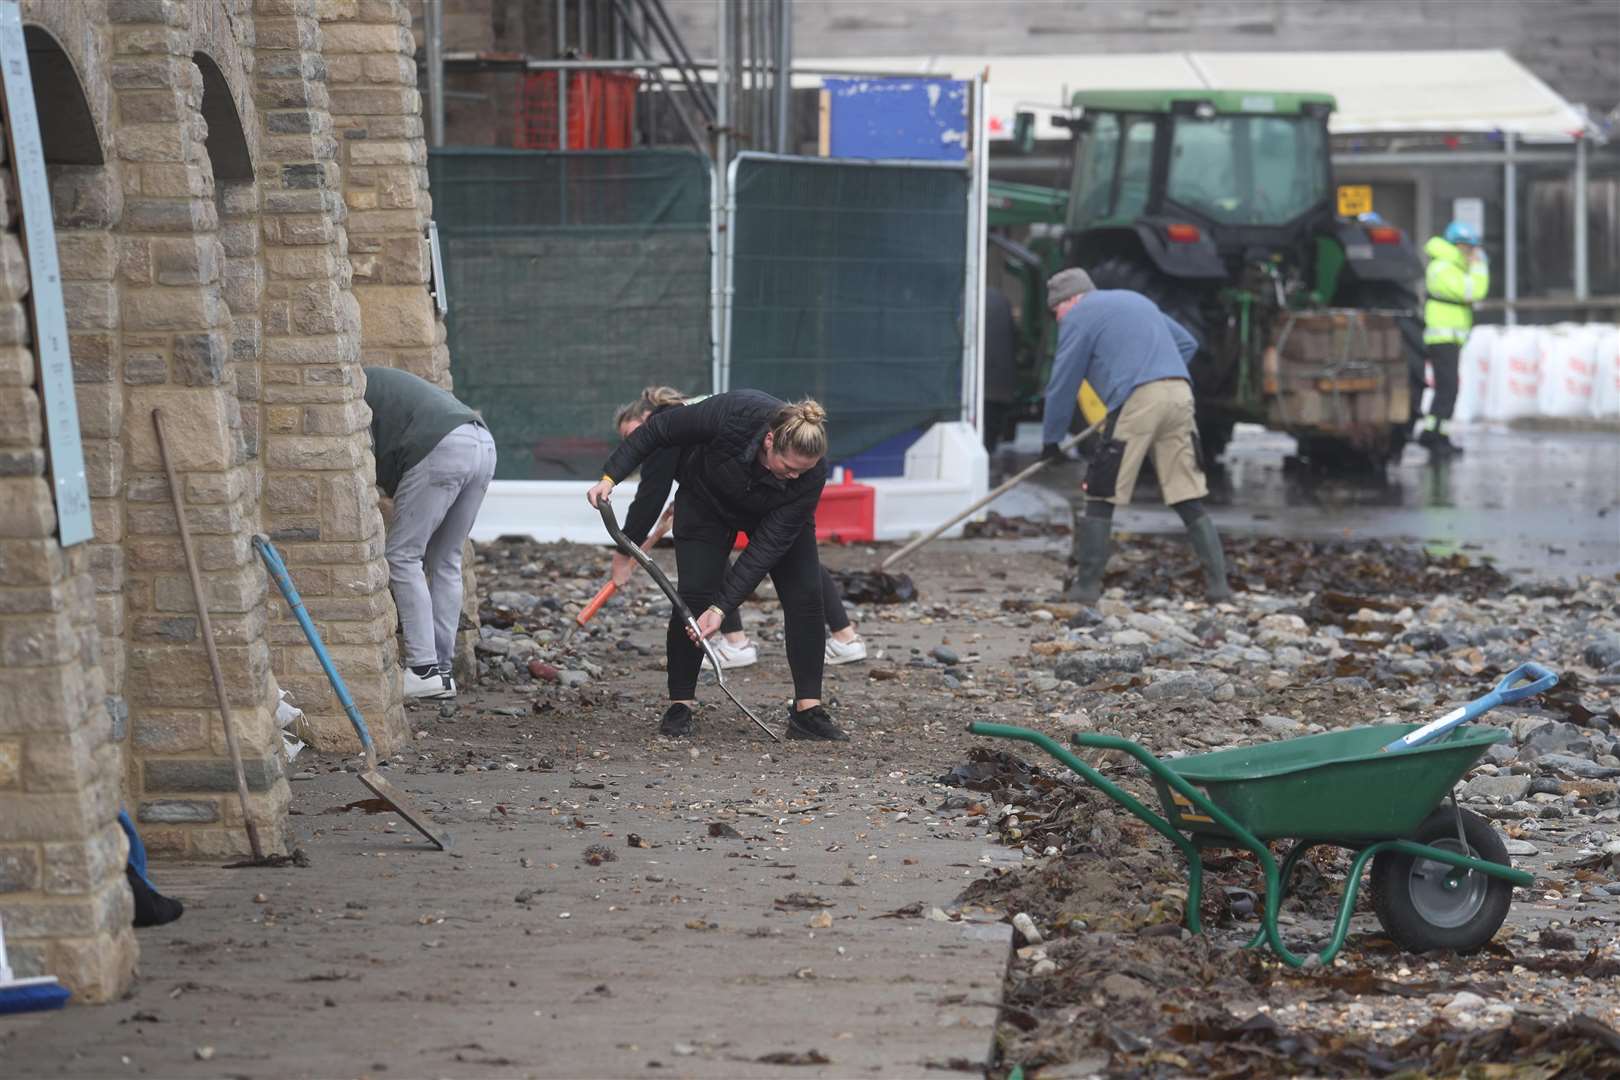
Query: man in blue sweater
1135	357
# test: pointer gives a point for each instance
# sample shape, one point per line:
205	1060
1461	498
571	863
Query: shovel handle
1504	693
603	595
289	593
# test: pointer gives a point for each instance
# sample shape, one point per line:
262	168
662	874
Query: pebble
944	655
1085	668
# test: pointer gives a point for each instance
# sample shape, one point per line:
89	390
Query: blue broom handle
278	571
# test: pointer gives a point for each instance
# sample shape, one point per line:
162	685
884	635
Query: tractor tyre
1174	298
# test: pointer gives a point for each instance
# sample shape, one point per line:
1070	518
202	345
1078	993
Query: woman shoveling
844	645
747	463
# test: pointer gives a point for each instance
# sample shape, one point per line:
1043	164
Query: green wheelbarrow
1441	878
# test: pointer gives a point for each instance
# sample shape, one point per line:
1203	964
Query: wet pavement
1535	503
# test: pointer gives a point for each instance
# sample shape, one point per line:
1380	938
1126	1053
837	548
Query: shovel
656	572
605	593
995	493
374	780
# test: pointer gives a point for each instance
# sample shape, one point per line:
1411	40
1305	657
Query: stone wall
239	194
62	893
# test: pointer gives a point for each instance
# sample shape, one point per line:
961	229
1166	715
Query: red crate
846	514
601	111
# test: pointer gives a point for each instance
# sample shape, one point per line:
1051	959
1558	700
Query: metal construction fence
574	280
846	284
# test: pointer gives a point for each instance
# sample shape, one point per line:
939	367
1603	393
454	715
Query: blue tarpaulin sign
918	119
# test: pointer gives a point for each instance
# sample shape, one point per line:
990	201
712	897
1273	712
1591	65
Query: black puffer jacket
720	439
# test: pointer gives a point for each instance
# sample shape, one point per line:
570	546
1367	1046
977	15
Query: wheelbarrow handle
1504	693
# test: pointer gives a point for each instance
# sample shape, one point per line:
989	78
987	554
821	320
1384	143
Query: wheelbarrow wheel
1423	904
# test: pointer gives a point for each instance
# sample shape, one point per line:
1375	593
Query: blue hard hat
1370	217
1460	232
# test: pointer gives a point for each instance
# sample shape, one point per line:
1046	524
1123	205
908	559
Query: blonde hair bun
801	428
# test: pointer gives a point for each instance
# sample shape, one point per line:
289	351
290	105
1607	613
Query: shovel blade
385	791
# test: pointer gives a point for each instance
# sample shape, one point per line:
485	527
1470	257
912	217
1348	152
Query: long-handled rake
656	572
374	780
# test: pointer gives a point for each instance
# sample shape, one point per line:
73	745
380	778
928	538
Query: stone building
240	198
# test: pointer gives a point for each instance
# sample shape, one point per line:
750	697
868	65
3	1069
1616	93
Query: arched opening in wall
236	199
70	138
227	142
86	204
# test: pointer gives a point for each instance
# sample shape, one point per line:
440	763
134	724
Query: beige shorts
1158	417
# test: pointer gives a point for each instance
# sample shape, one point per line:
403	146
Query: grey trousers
434	507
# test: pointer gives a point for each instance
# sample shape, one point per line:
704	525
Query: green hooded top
409	417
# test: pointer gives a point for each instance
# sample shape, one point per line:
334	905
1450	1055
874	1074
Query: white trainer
432	685
735	656
845	652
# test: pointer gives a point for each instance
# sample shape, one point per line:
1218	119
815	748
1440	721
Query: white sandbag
1515	385
1474	373
1606	373
1568	364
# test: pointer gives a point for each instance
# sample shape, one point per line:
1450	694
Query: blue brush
27	995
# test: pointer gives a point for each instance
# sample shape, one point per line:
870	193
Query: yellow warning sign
1354	199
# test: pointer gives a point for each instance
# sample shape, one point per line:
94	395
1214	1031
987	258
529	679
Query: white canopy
1474	90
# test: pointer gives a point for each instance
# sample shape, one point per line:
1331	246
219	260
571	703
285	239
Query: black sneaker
1452	449
678	722
813	723
152	908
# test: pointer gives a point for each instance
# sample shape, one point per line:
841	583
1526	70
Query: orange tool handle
596	603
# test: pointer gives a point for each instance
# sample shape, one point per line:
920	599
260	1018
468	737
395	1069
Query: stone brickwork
320	495
177	327
204	200
377	112
62	894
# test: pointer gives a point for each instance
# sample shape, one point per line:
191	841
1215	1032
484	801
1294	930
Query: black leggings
701	552
832	606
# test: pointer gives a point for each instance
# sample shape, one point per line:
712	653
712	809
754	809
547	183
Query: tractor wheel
1392	295
1174	298
1423	904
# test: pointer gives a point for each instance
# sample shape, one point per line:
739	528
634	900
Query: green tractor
1221	207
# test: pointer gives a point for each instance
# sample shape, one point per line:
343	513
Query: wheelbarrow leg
1286	874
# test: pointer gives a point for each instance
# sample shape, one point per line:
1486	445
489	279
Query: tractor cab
1205	181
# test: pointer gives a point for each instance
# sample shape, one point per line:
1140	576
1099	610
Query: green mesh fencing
848	283
574	280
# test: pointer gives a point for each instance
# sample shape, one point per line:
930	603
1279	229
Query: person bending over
747	462
1136	356
844	645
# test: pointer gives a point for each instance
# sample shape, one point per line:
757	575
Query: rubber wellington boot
1090	558
1207	543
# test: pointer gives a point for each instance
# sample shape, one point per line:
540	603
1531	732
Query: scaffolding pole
435	71
1510	226
1582	285
784	76
562	76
